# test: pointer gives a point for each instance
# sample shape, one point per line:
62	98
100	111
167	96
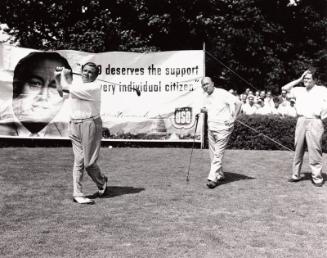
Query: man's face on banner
39	101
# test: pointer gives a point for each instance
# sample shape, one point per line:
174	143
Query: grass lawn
150	210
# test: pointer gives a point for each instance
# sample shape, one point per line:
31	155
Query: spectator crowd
264	103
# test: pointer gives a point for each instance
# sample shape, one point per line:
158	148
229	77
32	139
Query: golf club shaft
138	92
189	163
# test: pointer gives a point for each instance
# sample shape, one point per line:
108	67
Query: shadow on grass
113	191
232	177
307	176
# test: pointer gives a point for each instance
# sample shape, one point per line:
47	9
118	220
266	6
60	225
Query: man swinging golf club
85	126
222	108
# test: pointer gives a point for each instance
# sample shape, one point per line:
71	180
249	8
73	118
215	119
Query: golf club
189	163
138	92
59	69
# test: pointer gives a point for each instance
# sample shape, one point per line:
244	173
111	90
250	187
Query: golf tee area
150	210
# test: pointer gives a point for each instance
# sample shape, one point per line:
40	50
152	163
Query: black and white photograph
163	128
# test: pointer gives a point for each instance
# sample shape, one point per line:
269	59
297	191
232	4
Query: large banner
146	96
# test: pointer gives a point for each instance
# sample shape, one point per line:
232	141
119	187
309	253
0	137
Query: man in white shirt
269	99
310	103
276	109
222	109
262	109
250	107
283	99
85	127
291	110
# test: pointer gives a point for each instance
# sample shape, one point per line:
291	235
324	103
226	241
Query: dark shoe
294	180
212	184
102	191
317	184
221	179
83	200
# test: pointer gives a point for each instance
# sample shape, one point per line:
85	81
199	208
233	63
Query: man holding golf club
85	126
222	108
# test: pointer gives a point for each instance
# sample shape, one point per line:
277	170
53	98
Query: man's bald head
207	85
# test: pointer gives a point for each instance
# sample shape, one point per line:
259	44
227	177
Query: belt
314	117
84	119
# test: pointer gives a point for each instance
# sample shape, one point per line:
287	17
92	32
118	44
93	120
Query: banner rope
265	136
231	70
242	123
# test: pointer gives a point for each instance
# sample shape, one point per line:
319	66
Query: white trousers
218	140
308	131
86	140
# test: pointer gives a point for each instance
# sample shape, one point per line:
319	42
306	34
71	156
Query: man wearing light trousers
311	102
222	108
85	127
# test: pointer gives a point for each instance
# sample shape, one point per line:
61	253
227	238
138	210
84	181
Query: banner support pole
203	127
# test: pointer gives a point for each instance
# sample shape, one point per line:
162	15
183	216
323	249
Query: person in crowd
276	109
310	105
243	99
36	109
262	108
256	97
269	100
291	110
283	99
249	108
235	93
222	109
263	95
85	127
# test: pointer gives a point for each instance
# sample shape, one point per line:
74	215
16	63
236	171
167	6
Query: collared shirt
219	106
269	102
85	99
263	110
247	109
276	111
310	103
291	111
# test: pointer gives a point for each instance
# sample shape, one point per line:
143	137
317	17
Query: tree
262	43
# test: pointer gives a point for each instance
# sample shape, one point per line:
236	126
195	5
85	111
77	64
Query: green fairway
150	210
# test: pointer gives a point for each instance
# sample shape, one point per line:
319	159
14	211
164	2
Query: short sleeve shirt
310	103
219	105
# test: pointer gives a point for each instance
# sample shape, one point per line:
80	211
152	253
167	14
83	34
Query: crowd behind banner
265	103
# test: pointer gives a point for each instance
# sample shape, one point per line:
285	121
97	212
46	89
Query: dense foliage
266	42
266	133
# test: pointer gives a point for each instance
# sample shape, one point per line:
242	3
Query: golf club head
138	92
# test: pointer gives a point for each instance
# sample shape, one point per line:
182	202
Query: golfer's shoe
319	184
102	191
83	200
294	180
212	184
